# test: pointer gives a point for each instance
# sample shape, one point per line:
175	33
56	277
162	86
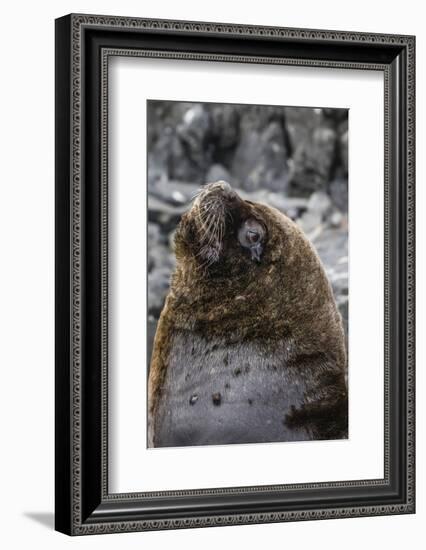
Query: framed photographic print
234	274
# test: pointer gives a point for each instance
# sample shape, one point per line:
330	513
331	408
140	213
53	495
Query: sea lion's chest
218	394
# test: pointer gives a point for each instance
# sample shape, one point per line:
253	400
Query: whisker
197	193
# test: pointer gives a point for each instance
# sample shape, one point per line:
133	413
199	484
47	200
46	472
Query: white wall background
26	288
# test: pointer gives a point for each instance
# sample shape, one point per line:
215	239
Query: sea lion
250	345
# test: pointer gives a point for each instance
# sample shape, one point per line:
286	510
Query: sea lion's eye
251	235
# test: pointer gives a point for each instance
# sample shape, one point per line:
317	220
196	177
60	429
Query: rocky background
293	158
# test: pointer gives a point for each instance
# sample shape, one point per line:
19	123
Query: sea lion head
223	234
222	231
245	266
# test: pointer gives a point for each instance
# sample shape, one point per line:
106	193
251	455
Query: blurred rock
320	202
255	118
176	193
332	247
301	123
291	206
225	126
158	287
160	256
312	162
162	213
169	160
309	221
343	144
154	234
261	160
334	117
336	219
338	191
159	158
163	116
157	171
193	132
181	165
218	172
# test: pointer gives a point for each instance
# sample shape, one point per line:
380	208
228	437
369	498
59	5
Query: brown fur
284	297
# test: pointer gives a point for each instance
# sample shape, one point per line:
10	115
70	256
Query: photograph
247	256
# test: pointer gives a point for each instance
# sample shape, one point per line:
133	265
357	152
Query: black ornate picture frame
84	44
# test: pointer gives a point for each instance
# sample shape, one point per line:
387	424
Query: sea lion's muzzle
220	215
212	210
213	194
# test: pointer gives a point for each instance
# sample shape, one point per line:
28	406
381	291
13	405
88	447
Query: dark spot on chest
193	399
217	399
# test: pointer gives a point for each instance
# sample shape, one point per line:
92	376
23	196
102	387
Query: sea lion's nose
225	190
220	190
220	185
224	185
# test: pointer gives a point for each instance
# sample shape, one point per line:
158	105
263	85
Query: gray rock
193	133
338	191
158	253
312	162
225	125
332	247
160	256
320	202
173	192
154	234
217	172
343	145
169	159
163	213
300	124
158	286
291	206
261	160
164	116
309	221
336	219
157	169
251	144
334	117
258	117
184	163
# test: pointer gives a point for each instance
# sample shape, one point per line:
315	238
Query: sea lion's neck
268	303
